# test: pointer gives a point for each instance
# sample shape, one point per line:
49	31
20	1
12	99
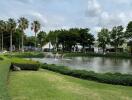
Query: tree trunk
116	49
19	45
41	46
103	49
83	49
11	42
22	44
35	41
2	42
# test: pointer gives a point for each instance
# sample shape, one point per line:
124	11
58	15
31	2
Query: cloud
121	1
94	8
106	18
57	14
24	1
110	20
38	16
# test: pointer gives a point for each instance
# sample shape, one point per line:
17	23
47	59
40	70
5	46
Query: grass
109	78
4	70
47	85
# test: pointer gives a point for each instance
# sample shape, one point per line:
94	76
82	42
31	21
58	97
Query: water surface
97	64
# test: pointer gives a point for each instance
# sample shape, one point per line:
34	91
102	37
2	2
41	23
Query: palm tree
11	27
23	25
35	26
2	30
41	38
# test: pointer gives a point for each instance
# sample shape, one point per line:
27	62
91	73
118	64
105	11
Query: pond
96	64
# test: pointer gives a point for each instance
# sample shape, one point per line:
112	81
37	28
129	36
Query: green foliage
109	78
30	41
11	25
67	39
86	38
26	55
23	66
128	33
23	25
117	37
103	38
41	36
112	55
36	26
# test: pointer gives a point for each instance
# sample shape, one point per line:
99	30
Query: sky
65	14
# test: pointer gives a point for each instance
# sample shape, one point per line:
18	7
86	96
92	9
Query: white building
47	46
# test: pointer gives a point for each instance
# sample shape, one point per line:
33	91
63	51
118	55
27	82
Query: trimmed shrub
33	67
112	55
109	78
27	55
1	58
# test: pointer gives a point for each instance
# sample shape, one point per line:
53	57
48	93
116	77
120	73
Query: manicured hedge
4	70
22	66
1	58
26	55
112	55
109	78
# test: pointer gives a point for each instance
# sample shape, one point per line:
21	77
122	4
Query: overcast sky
57	14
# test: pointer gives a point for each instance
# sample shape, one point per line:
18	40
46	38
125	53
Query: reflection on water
97	64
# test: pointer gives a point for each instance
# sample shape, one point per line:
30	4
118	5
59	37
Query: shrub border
109	78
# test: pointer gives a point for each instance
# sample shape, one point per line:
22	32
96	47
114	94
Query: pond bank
30	85
111	55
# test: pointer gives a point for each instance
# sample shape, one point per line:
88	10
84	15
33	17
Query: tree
41	38
117	37
67	39
35	26
53	38
23	25
30	41
76	31
11	26
17	38
86	38
2	30
103	38
128	33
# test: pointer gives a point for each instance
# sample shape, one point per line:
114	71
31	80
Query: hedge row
22	66
26	55
112	55
1	58
109	78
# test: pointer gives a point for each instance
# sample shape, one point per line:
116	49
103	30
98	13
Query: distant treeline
12	36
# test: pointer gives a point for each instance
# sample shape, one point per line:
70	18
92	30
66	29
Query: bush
112	55
109	78
26	55
33	67
1	58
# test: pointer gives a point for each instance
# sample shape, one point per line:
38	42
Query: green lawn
47	85
4	69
